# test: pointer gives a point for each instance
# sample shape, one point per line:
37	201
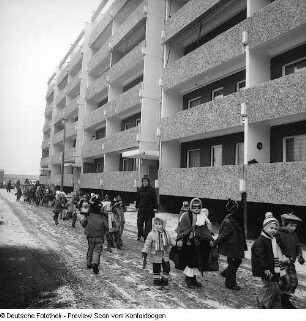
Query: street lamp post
64	121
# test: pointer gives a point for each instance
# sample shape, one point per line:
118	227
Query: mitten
301	260
144	255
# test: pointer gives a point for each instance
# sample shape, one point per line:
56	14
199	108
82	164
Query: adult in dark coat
147	205
231	243
193	237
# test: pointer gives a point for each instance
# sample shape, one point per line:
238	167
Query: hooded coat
195	251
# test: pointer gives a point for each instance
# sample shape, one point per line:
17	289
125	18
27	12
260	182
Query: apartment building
206	97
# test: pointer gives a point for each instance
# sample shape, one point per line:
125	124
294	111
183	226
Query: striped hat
270	220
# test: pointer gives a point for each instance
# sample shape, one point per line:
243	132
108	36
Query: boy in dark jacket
290	246
96	227
231	243
267	259
147	205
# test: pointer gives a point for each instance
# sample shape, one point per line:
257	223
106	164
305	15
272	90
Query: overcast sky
35	36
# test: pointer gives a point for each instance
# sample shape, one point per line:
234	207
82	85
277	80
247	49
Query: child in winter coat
158	243
58	207
95	227
290	246
267	260
18	194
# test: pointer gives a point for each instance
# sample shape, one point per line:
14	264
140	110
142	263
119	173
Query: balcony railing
127	63
102	55
93	148
73	86
69	155
122	140
62	75
97	87
45	143
119	181
222	49
58	137
76	62
68	180
128	25
56	158
49	108
61	98
72	107
44	162
47	126
95	117
70	130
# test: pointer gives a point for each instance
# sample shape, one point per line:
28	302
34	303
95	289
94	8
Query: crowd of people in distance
196	247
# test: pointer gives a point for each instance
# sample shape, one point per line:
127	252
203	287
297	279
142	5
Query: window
295	148
138	121
99	165
216	155
100	133
241	85
239	153
193	158
128	164
294	66
217	93
194	102
127	126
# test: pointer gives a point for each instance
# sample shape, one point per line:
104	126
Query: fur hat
231	206
195	201
289	217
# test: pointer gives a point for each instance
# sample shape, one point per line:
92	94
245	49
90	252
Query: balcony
70	130
223	55
129	24
72	107
120	181
68	180
50	91
123	102
62	75
101	60
75	64
69	155
97	88
191	11
277	183
45	143
96	117
44	180
44	162
61	98
132	61
271	24
212	182
47	127
59	115
202	119
48	110
58	137
121	140
280	98
56	158
93	148
73	87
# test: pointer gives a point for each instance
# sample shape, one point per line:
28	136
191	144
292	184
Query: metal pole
63	158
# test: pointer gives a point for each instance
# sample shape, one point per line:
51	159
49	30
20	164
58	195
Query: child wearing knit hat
290	246
268	261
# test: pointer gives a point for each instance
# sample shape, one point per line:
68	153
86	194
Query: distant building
1	177
205	97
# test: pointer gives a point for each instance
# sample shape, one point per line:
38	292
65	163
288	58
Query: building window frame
303	136
294	65
238	147
127	126
213	97
138	121
190	101
126	163
238	84
212	155
188	157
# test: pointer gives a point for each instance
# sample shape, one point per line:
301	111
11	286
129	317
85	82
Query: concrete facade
199	81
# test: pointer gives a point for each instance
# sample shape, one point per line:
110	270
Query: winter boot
188	281
95	268
164	282
195	282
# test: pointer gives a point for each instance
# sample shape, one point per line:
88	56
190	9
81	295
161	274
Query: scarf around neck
162	240
277	254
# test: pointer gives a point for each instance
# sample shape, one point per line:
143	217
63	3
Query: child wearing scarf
267	259
158	243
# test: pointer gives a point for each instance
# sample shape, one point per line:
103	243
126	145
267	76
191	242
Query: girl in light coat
158	243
